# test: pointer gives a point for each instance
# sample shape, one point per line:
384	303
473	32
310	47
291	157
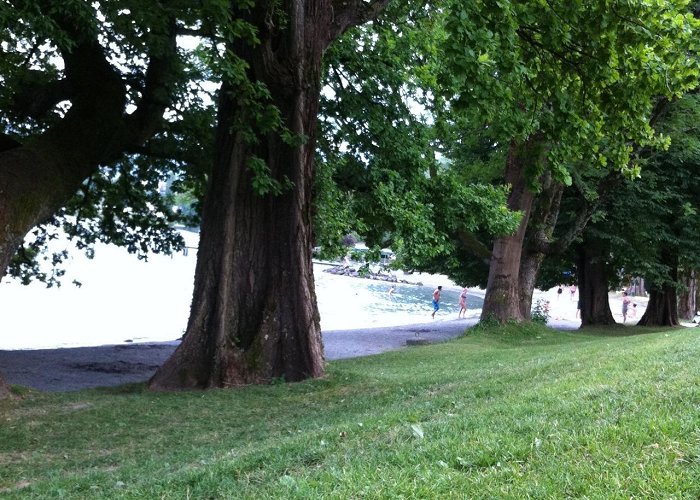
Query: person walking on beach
463	303
391	292
625	305
436	300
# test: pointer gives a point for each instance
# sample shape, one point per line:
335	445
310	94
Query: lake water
346	303
122	298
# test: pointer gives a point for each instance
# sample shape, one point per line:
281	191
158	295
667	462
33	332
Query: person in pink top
625	305
463	303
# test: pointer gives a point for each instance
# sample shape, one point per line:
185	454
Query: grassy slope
523	412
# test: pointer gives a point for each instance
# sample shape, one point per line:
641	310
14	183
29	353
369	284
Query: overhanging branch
472	244
349	13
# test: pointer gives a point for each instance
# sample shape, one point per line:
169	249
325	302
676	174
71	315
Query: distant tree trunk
254	316
538	236
529	268
686	297
593	286
662	309
502	300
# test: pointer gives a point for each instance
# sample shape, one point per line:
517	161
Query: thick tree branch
7	143
158	92
472	244
48	168
200	33
349	13
34	99
562	243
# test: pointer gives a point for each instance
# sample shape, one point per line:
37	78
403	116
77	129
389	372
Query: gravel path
71	369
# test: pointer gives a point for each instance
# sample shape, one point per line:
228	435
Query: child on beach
625	305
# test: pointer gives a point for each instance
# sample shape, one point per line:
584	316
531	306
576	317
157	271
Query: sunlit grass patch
513	411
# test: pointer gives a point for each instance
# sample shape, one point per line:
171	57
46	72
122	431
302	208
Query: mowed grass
512	412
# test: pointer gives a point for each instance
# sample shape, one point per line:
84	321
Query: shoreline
76	368
68	368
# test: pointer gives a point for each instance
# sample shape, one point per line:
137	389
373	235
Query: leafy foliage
122	203
582	74
383	123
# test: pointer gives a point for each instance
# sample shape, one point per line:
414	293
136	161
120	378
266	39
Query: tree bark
662	308
538	237
593	287
502	301
686	298
254	317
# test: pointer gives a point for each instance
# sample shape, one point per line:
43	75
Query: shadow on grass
124	389
618	330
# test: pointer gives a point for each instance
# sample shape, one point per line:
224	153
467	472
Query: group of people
572	291
436	300
462	302
627	311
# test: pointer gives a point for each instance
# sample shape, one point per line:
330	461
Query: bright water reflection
125	299
346	303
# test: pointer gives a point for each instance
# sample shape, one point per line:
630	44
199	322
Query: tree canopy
99	106
447	130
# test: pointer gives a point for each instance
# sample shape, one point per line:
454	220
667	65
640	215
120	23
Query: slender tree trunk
529	268
593	287
686	298
254	316
502	301
538	237
662	309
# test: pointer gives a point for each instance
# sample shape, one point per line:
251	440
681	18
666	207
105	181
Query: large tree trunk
662	309
593	287
502	301
254	316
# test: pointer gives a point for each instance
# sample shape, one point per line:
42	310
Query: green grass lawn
513	412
